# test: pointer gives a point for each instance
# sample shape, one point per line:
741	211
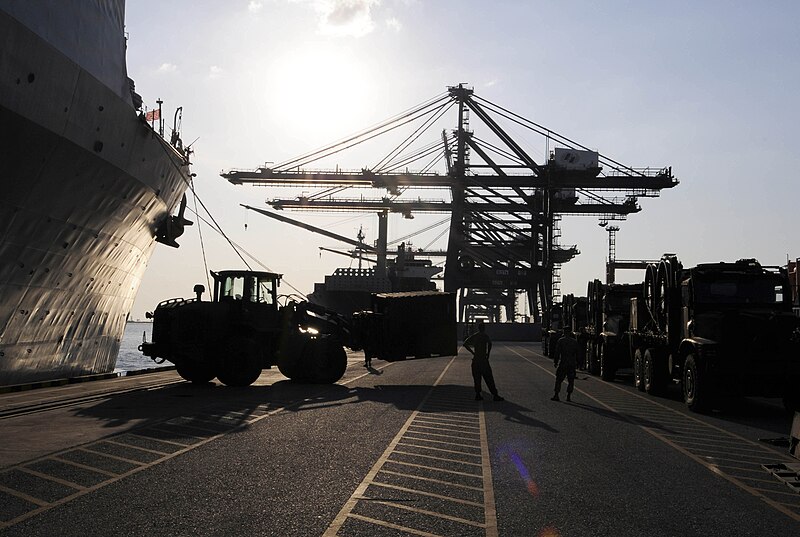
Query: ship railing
354	272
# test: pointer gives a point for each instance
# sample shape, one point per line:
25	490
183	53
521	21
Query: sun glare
320	90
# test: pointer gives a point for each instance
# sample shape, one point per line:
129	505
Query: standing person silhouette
566	360
480	345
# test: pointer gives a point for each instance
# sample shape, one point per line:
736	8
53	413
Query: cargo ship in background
87	187
349	290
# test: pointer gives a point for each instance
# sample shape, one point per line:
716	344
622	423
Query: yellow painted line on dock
146	450
424	493
22	496
84	467
430	480
389	525
52	478
437	435
435	469
388	460
431	513
663	438
453	451
418	439
488	489
432	457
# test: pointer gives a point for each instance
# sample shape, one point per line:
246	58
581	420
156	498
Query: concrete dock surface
401	448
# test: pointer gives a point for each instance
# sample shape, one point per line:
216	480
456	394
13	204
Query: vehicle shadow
761	413
200	407
757	412
620	416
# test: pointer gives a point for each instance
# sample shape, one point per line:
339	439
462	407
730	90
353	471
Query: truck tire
239	365
196	373
638	370
653	373
695	386
591	358
607	370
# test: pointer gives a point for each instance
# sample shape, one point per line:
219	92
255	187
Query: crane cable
383	127
248	254
423	230
558	137
216	227
439	236
200	232
411	138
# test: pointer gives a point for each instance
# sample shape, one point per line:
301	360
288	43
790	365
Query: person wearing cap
480	345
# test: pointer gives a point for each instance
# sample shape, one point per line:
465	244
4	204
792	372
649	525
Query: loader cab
246	287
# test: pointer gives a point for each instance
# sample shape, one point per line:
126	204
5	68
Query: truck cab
737	322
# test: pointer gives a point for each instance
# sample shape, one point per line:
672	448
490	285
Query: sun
323	89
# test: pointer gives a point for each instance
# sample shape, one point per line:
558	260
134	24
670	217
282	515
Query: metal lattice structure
504	206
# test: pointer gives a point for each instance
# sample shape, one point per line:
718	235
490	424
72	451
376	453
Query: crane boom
313	229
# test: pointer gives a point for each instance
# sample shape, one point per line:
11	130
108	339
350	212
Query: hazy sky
708	88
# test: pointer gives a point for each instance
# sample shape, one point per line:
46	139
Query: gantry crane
504	206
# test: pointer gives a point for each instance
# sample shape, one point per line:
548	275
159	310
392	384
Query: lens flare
548	531
530	484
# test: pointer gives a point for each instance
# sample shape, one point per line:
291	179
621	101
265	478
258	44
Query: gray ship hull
84	183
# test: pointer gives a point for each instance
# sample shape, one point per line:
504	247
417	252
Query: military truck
552	328
605	338
717	328
243	330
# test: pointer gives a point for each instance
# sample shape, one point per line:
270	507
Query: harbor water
129	357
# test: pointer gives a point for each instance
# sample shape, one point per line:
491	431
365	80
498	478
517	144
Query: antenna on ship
360	250
160	119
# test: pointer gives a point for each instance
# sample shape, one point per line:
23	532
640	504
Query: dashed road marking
433	479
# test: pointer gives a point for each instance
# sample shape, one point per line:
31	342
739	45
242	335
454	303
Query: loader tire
240	364
324	360
196	373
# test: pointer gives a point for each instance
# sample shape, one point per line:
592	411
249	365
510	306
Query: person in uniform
566	360
480	345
